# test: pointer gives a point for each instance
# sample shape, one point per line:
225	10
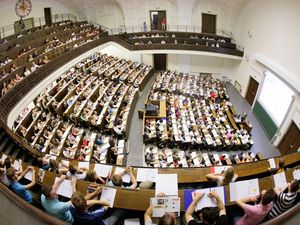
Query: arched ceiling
237	5
82	8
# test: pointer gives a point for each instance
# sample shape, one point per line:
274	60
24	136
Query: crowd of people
166	157
172	38
88	210
198	111
95	95
39	55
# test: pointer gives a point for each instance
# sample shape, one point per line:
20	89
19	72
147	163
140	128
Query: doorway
209	23
291	140
160	61
158	20
252	90
48	16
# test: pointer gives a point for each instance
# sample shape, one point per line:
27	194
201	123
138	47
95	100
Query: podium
161	109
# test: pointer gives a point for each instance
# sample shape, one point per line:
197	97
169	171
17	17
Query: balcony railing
175	28
39	21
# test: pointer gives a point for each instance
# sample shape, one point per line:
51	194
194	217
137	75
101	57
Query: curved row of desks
138	199
198	174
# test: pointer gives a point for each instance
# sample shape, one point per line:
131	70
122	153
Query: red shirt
212	95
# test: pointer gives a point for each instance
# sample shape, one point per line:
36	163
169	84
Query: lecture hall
132	112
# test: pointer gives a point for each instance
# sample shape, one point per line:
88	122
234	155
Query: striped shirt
283	203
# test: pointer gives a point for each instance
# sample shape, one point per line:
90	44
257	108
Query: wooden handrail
30	209
284	216
139	198
43	216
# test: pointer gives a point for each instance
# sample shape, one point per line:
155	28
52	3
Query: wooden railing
139	198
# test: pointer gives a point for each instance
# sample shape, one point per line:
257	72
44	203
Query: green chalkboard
265	120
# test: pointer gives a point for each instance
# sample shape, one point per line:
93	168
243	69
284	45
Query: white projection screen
275	97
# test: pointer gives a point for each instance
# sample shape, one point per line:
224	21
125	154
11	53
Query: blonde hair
228	175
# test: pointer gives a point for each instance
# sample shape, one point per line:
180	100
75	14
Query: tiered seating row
43	54
182	40
33	48
198	111
20	38
90	96
155	157
140	198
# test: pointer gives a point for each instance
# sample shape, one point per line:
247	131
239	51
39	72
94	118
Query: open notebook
65	188
243	189
206	201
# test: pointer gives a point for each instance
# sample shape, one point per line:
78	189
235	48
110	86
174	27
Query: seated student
80	207
254	214
19	189
52	205
284	200
79	173
279	167
111	155
53	166
223	179
167	219
208	215
91	176
117	180
44	163
3	169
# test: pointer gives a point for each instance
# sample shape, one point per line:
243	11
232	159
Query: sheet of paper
65	188
121	145
105	146
108	194
296	174
279	180
167	184
17	165
135	221
41	175
196	161
50	157
4	156
103	170
220	169
205	201
272	163
221	193
243	189
126	177
28	175
170	159
84	165
65	162
144	174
